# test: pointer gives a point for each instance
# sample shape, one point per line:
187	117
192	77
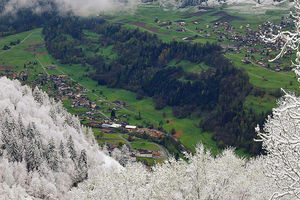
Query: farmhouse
130	127
51	67
144	153
111	125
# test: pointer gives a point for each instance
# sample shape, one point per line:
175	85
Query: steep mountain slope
44	151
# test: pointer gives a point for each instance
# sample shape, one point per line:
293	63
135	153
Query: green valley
29	55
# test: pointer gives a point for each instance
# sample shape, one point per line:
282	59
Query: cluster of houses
251	40
150	132
242	37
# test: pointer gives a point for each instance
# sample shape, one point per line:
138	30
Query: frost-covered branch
281	140
290	38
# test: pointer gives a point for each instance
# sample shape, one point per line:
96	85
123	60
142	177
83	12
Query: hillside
44	151
38	159
47	154
152	66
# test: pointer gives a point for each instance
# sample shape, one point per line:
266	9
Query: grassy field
261	104
18	56
188	66
111	138
145	15
144	144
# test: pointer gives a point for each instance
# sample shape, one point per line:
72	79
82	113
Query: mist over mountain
44	151
217	3
94	7
78	7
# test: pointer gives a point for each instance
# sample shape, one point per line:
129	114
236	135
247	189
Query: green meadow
144	144
143	18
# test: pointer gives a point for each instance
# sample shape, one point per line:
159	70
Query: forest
216	95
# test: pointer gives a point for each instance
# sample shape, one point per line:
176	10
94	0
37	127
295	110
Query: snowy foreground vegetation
46	154
44	151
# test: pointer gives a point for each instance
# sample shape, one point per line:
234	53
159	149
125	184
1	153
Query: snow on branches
291	39
281	140
202	177
281	133
44	151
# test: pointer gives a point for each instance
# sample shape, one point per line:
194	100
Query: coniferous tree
52	156
71	149
62	150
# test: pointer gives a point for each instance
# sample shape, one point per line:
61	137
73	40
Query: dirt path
165	151
41	65
127	142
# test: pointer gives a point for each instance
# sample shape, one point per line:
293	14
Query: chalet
144	153
179	30
93	105
229	47
150	132
111	125
62	76
156	153
120	103
277	70
246	61
130	127
182	23
51	67
95	124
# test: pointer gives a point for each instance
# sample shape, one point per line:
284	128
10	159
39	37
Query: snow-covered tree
52	156
125	155
33	160
280	135
291	38
62	150
116	154
202	177
281	140
83	165
71	148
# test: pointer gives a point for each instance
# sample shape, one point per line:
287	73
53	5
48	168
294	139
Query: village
111	126
92	114
243	39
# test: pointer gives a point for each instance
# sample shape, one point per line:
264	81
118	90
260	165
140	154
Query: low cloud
78	7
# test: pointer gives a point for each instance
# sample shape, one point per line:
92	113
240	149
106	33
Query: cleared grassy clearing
261	104
144	144
111	138
188	66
